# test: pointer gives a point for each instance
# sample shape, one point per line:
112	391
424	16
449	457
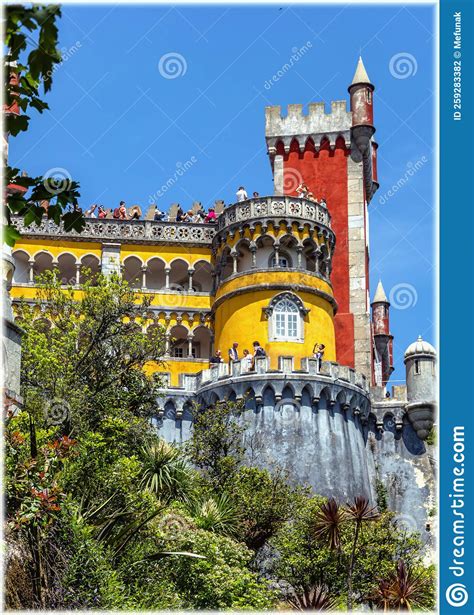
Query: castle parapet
316	121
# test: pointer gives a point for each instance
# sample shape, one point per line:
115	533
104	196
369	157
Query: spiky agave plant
315	598
216	514
165	471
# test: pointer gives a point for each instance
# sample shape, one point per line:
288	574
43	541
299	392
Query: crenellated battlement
315	122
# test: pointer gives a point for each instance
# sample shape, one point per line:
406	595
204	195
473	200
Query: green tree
264	502
31	38
88	359
306	558
216	441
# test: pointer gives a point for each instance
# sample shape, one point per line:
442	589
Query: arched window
286	320
286	314
283	260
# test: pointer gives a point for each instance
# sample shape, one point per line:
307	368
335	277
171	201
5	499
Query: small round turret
420	362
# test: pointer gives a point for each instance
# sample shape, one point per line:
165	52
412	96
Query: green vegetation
31	38
102	514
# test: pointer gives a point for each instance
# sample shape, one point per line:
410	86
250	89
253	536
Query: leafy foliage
31	37
105	515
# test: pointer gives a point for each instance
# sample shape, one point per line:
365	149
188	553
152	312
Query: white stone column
299	253
167	277
111	259
190	281
78	274
278	174
190	345
357	239
277	256
31	272
254	257
235	263
144	270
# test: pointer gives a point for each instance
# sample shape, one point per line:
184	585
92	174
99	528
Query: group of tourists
242	195
247	361
135	213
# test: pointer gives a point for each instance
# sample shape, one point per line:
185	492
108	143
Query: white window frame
274	334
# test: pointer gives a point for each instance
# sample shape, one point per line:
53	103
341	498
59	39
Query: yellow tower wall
239	315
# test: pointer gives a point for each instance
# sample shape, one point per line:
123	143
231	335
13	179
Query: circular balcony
275	209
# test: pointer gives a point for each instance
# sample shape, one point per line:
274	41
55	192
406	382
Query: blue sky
121	127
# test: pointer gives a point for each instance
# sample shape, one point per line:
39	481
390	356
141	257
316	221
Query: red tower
335	156
383	340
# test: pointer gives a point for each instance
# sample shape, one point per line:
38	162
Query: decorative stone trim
125	231
284	287
264	209
268	311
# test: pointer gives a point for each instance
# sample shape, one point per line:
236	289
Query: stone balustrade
125	231
274	207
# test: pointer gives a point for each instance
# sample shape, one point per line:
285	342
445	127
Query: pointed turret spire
380	296
361	75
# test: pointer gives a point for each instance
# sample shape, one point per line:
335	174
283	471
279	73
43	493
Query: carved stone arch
310	145
328	393
268	394
169	409
341	397
307	394
286	295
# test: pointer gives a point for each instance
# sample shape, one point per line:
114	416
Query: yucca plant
216	514
165	471
315	598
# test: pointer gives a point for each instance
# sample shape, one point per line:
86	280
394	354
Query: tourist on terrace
188	216
159	215
241	194
135	213
211	216
198	217
217	358
179	214
233	352
120	212
255	195
302	191
318	352
90	213
323	202
102	213
246	362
